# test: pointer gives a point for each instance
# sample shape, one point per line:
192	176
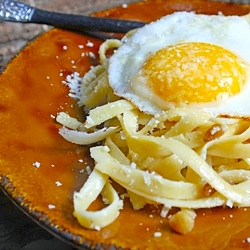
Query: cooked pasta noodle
170	159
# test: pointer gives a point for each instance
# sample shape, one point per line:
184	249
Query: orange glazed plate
39	170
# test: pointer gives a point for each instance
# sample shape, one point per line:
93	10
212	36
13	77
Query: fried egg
186	60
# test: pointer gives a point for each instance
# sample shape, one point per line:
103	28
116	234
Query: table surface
17	231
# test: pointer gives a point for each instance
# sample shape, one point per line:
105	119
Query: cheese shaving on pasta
179	158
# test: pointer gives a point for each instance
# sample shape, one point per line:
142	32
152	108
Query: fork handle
80	22
15	11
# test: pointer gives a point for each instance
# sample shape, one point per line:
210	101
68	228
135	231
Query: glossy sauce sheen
32	94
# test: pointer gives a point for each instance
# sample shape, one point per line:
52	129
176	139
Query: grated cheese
229	203
97	228
36	164
164	212
88	169
58	183
89	44
50	206
157	234
73	81
92	55
146	177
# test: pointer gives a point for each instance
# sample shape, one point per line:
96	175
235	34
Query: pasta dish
182	158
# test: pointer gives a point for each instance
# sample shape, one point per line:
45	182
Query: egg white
229	32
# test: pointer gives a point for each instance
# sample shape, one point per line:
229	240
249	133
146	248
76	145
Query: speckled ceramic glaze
39	170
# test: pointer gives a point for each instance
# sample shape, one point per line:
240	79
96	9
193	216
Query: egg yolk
191	72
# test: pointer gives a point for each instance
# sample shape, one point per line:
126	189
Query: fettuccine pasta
179	158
